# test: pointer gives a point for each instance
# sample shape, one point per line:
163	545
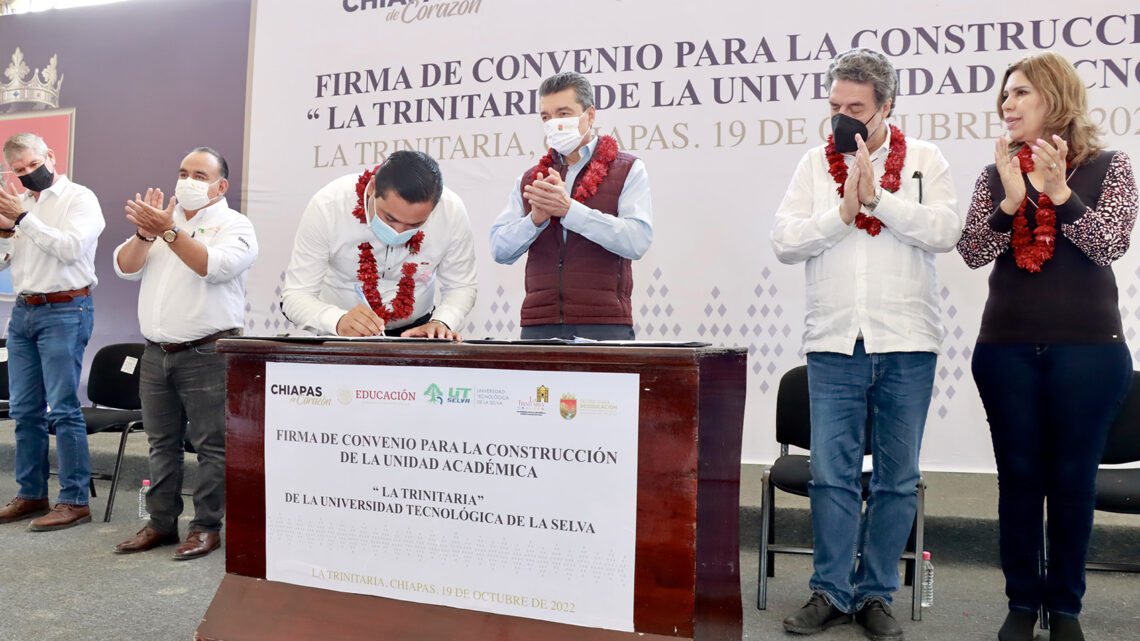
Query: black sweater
1073	299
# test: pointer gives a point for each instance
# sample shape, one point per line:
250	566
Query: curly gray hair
867	67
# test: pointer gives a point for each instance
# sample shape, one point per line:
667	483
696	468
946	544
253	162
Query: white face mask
384	232
193	194
562	134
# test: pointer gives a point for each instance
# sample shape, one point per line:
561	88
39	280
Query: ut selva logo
455	395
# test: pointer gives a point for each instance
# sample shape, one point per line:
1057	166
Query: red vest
577	281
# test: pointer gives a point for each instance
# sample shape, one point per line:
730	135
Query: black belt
422	320
171	348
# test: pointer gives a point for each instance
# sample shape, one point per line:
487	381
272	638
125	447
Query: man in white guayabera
866	214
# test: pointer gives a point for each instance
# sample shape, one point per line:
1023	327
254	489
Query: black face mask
844	128
37	180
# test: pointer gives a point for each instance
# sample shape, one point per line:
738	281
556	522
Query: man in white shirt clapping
192	293
48	237
866	213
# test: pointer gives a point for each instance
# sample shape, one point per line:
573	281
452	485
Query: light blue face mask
385	233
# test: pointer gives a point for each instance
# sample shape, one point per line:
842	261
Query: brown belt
171	348
55	297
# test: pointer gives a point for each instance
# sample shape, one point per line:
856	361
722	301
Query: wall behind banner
148	81
720	100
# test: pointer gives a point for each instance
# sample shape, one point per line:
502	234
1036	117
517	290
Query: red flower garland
891	180
595	173
1031	250
405	301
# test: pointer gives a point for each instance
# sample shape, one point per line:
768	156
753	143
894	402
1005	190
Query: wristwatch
170	234
874	201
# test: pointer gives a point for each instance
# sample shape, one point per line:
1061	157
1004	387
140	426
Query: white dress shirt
885	287
628	234
176	305
54	246
321	282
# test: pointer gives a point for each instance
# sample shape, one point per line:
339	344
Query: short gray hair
866	67
569	80
21	142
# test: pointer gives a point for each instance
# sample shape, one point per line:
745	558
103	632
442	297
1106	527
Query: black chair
1117	489
113	389
792	473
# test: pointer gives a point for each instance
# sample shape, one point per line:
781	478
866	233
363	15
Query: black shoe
1018	625
817	615
877	622
1063	627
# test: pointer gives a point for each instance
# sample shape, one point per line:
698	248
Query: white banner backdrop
719	99
471	488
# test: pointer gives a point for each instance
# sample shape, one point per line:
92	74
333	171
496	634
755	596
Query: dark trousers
183	398
568	332
419	322
1049	409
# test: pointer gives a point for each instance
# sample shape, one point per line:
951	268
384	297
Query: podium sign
332	540
504	491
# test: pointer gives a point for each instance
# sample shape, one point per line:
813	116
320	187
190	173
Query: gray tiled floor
68	585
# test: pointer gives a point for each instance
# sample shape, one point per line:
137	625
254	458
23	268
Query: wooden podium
686	576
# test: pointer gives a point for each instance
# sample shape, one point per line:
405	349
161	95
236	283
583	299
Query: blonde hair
1066	103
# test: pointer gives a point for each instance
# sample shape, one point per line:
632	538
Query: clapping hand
148	214
850	206
10	205
1049	160
547	197
866	171
1009	169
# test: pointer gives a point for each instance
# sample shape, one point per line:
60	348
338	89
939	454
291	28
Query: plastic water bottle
143	513
927	580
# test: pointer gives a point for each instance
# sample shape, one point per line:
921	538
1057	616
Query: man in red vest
582	215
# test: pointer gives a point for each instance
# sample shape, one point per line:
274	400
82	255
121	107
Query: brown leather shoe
62	516
19	509
197	544
146	539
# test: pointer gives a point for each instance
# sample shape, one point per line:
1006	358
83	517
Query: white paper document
504	491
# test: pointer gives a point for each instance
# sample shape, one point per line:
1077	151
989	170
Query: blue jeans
45	358
1049	409
894	389
183	398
